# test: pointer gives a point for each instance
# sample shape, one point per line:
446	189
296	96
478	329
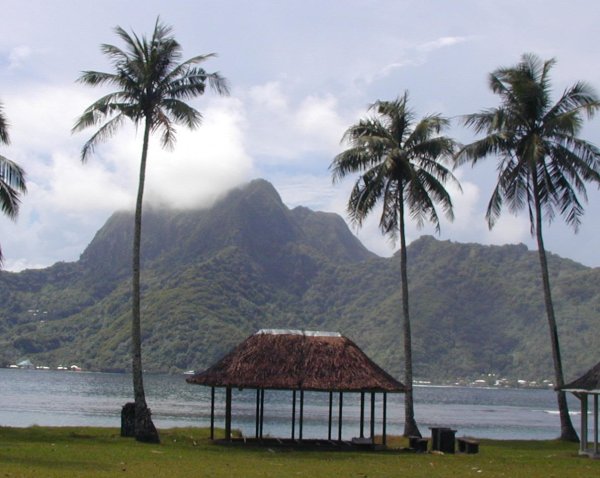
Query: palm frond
4	138
12	185
106	131
182	113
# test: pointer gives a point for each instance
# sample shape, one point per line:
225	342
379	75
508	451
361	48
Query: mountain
211	277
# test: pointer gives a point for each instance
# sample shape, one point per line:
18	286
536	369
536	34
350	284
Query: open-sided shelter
299	361
585	386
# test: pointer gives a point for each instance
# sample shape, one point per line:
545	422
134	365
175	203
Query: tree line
404	164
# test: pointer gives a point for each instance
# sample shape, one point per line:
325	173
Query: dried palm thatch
294	360
588	382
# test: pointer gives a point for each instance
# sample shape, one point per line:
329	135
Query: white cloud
415	54
269	97
73	187
441	42
205	163
17	56
282	129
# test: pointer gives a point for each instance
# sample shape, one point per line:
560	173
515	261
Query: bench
417	444
468	445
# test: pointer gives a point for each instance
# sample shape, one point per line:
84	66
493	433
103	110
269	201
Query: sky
300	72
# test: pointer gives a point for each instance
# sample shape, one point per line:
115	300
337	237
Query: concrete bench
468	445
417	443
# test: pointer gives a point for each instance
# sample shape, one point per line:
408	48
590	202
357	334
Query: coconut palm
542	164
152	85
12	178
398	160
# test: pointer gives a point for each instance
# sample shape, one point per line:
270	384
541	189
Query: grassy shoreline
100	452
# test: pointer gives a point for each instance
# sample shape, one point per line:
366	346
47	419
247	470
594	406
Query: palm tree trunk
144	428
410	425
567	432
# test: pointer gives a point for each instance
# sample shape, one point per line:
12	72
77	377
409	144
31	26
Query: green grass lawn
44	452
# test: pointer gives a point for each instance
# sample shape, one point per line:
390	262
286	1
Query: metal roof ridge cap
306	333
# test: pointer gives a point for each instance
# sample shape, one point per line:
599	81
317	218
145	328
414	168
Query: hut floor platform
304	444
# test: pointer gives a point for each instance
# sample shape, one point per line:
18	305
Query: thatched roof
588	382
295	360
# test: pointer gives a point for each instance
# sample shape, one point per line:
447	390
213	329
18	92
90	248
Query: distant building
25	364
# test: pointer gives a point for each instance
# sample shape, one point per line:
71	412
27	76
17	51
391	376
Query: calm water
53	398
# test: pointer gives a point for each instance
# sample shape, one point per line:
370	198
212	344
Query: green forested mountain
211	277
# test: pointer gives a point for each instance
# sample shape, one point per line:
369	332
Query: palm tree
398	162
12	178
151	88
542	164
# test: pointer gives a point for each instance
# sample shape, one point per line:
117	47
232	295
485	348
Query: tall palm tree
12	179
542	164
399	164
151	88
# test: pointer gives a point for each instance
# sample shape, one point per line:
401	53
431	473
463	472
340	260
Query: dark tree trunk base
145	431
128	420
411	429
138	425
569	436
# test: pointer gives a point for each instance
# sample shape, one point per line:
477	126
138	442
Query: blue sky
301	72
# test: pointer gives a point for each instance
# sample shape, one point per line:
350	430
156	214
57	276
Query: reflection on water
54	398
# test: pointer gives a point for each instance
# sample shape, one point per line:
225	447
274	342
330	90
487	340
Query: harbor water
60	398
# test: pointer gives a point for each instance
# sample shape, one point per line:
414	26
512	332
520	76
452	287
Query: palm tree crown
536	142
399	165
151	85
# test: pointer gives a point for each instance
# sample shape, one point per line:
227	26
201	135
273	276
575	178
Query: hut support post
362	414
212	413
584	423
595	424
341	406
301	415
293	414
228	414
262	412
384	431
330	415
373	417
257	429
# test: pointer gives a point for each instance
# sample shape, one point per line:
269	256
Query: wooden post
595	424
384	432
301	415
373	417
330	414
584	423
212	413
262	411
228	414
341	404
293	414
257	425
362	414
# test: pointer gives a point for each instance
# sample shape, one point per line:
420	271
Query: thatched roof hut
300	361
295	360
583	387
589	382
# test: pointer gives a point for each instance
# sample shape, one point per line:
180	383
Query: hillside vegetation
212	277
